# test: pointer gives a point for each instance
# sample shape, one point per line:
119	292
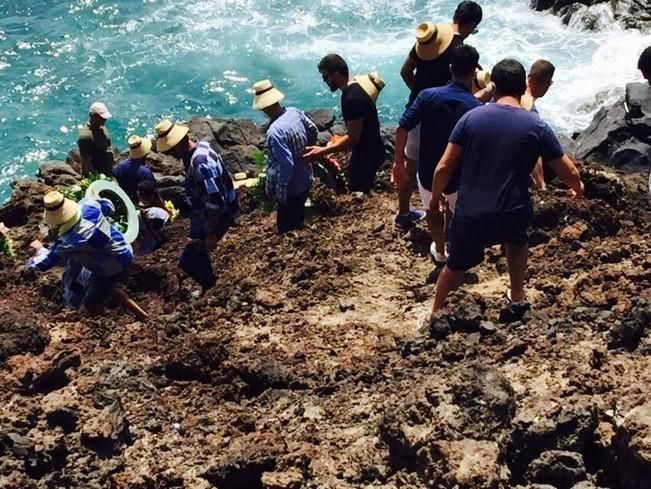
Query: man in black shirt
362	126
428	66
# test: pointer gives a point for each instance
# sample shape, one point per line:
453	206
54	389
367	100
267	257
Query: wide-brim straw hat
138	147
433	39
265	95
169	134
372	84
58	209
482	78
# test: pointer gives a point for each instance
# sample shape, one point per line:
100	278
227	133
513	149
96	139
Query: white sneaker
438	257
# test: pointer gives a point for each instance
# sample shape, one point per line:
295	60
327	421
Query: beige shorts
412	148
426	196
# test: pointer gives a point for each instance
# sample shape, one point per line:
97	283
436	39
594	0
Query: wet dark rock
514	312
466	317
20	335
561	469
241	158
609	140
26	202
56	173
597	14
323	118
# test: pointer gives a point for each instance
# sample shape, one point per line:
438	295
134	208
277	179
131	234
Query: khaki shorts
412	148
426	196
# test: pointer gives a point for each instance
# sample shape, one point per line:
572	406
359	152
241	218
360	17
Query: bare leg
516	261
448	281
404	192
436	226
539	176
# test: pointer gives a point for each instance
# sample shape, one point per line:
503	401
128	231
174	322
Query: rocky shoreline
597	14
305	367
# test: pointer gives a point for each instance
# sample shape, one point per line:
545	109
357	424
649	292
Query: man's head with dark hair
464	60
540	77
644	64
334	71
147	191
467	17
510	78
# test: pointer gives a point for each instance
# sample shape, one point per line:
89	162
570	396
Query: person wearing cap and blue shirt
289	176
94	142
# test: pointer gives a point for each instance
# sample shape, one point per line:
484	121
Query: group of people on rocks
468	140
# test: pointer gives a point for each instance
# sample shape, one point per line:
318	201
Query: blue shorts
469	236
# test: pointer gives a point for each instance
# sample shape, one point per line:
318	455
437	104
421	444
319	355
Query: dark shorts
469	237
362	170
99	287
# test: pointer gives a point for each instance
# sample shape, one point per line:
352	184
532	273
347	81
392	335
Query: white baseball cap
100	109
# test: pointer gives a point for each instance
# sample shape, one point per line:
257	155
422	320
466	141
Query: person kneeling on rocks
85	239
496	146
289	176
153	219
212	197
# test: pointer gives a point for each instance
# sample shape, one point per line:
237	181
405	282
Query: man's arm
399	171
445	168
486	94
407	71
346	142
566	170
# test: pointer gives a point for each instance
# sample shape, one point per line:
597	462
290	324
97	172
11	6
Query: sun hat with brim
169	134
265	95
372	84
482	78
432	40
138	147
58	209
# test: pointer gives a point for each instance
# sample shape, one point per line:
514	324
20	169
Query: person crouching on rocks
130	172
153	219
289	176
84	238
496	146
212	197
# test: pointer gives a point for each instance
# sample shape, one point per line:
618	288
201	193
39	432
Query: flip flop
510	301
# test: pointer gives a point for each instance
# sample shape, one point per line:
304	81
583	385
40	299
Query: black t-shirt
433	73
356	104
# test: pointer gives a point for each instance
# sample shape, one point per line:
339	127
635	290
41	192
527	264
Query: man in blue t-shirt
132	171
437	110
496	146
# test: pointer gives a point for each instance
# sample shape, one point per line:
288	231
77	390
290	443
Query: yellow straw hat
169	134
372	84
138	147
265	95
432	40
58	209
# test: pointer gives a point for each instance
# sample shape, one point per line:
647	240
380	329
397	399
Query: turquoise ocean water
149	58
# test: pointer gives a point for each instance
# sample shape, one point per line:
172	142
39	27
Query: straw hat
432	40
169	134
58	209
372	84
138	147
482	78
265	95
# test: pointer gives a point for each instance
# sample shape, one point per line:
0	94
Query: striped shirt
207	183
287	172
93	243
